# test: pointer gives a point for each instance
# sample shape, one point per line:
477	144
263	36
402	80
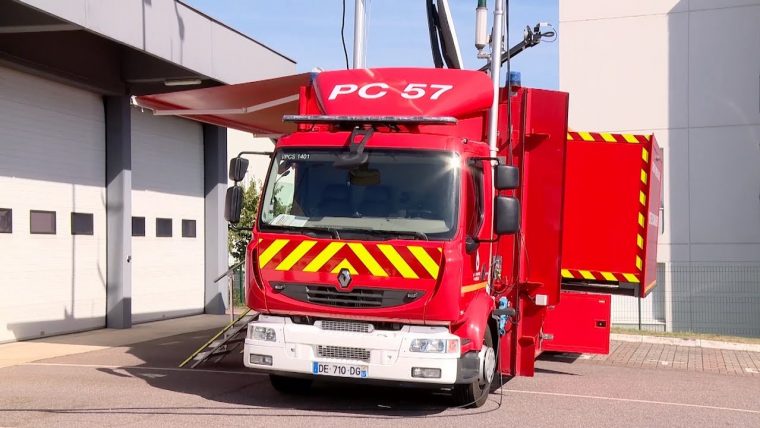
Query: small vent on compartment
347	326
343	353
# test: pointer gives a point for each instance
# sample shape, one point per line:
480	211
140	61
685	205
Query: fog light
264	333
426	372
261	360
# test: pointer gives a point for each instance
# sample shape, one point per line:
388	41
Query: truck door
477	201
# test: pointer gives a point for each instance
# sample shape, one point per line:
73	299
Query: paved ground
139	385
658	356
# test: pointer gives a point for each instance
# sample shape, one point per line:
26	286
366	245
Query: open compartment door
611	213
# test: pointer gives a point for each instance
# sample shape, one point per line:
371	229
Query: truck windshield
409	194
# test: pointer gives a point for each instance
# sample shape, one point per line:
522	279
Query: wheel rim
488	364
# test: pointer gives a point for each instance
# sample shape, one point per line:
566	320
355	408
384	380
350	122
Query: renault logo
344	278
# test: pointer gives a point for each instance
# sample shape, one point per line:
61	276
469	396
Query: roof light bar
426	120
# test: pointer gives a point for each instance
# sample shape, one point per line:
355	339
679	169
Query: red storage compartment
611	213
579	323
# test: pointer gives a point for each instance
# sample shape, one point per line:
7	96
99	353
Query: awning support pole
359	47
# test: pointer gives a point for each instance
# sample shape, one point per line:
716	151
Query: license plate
342	370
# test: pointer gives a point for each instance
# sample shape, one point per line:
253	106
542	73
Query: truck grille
343	353
347	326
358	297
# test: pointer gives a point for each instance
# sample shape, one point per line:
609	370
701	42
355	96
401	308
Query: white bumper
297	348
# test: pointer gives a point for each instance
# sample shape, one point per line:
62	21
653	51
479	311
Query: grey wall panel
724	72
724	185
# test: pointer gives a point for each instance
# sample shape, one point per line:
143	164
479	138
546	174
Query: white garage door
167	209
52	165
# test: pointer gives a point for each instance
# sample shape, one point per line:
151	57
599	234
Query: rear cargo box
611	213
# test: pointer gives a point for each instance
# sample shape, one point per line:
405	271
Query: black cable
342	34
435	43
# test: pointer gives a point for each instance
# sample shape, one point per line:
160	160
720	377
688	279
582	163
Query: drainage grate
343	353
347	326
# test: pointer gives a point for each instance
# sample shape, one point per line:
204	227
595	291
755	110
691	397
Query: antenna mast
496	48
360	13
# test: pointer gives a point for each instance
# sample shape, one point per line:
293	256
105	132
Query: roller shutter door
167	203
52	164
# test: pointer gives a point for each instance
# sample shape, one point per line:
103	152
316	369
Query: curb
691	343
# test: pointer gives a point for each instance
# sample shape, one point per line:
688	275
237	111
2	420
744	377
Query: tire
290	385
476	394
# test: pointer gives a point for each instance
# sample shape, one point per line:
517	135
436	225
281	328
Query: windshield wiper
304	229
415	234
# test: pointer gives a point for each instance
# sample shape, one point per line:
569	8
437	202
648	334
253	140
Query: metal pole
232	296
493	114
359	15
493	117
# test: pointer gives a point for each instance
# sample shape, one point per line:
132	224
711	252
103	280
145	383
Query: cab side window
475	194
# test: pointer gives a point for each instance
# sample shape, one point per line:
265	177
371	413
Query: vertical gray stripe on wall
118	212
215	227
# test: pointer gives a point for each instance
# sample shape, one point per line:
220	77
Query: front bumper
384	353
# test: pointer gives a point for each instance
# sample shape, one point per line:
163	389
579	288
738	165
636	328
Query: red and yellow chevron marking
375	259
605	137
600	276
643	209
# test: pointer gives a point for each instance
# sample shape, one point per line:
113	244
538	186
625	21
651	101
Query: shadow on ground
240	390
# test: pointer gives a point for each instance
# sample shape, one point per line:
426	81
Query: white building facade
688	71
109	215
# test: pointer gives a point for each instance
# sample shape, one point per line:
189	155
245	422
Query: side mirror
238	169
506	177
233	204
507	220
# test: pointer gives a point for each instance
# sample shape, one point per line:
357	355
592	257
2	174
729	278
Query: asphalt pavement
140	385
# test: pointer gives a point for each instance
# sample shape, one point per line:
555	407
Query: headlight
264	333
434	345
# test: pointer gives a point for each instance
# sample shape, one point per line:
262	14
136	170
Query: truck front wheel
290	385
476	393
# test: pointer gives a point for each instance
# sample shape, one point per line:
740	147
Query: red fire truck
400	240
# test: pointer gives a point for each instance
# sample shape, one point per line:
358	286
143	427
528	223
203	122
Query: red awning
255	107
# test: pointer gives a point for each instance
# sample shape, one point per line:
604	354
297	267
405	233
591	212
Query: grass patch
687	335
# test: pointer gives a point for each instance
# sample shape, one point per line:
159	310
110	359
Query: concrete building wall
71	144
175	32
689	71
